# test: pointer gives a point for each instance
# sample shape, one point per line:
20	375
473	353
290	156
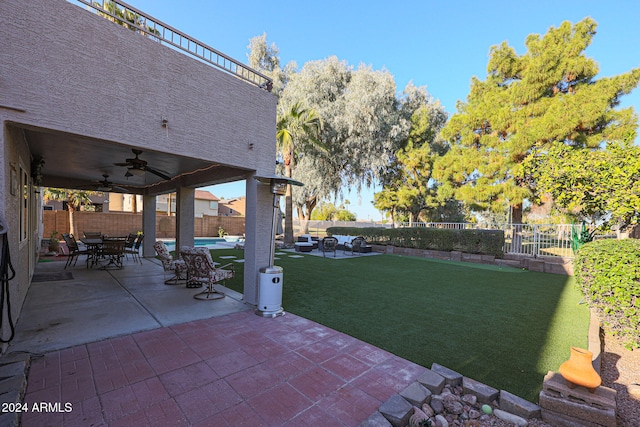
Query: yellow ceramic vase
578	370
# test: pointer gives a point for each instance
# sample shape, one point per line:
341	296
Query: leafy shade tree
296	124
529	103
324	212
408	187
362	126
75	200
329	212
345	215
592	183
450	210
264	57
296	127
387	202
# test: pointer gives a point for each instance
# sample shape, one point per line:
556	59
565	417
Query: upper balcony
128	16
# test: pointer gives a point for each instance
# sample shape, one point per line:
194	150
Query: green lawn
502	326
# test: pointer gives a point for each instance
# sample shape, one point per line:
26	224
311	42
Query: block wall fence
122	223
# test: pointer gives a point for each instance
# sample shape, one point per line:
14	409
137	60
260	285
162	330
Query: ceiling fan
137	166
107	186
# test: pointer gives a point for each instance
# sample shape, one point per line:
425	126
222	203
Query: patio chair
357	245
329	244
201	270
113	251
134	250
129	241
74	250
170	264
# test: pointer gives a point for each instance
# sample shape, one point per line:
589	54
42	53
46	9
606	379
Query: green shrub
608	273
485	242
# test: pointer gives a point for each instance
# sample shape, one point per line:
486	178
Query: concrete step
14	368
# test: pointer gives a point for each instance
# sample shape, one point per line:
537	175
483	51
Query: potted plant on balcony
54	243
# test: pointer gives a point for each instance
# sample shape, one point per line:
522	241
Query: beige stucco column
185	211
258	235
148	225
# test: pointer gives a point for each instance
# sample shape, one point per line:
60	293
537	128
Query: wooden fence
122	223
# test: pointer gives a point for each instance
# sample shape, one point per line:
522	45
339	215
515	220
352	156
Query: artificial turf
502	326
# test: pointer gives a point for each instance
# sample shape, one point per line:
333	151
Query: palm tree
74	198
295	127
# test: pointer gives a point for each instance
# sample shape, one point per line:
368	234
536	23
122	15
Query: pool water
203	241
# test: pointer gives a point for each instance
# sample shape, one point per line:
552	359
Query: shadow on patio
96	304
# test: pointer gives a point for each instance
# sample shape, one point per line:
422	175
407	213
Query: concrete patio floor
98	304
121	348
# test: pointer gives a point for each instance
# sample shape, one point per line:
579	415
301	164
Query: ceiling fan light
136	172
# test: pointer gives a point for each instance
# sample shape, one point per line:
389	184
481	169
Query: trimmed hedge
484	242
608	273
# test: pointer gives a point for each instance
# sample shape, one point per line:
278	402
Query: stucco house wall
65	69
205	207
73	71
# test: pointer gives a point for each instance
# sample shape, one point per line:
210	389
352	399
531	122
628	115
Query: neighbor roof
205	195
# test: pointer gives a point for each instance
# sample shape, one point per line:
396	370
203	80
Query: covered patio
124	111
91	304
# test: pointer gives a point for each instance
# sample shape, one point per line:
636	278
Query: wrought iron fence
526	239
128	16
536	240
319	228
446	225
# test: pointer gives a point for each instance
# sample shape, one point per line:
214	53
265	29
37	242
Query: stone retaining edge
542	264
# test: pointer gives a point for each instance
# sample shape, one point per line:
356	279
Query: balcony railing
136	20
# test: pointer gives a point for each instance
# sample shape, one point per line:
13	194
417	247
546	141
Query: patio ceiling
79	162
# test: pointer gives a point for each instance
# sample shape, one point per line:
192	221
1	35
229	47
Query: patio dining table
105	248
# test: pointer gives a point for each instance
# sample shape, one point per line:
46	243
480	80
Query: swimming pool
203	241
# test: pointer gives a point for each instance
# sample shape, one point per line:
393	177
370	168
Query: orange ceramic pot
578	370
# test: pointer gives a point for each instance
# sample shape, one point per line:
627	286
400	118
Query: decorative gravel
621	372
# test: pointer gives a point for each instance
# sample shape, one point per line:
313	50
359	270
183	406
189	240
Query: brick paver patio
235	370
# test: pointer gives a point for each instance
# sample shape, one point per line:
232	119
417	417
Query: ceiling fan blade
158	173
137	166
136	161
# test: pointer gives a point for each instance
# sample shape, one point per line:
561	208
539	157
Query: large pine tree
528	103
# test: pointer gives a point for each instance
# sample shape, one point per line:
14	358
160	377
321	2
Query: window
24	204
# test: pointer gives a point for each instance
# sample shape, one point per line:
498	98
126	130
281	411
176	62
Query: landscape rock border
451	399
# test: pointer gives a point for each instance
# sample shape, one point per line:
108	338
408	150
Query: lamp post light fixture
270	285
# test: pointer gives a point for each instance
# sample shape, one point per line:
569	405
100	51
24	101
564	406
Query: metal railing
445	225
318	228
525	239
553	240
134	19
538	240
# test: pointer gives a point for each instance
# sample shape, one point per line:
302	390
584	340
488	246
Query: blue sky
437	44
